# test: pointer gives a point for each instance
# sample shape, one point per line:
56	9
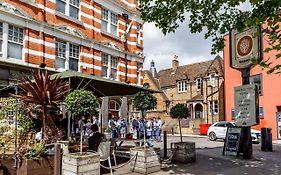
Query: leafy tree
81	102
179	111
217	17
144	101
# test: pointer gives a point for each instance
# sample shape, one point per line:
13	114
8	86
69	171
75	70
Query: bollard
165	144
57	160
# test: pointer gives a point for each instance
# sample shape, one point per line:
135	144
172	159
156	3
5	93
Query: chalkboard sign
231	143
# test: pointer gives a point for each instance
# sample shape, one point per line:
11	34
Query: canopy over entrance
100	86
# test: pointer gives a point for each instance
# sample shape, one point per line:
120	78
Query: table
124	151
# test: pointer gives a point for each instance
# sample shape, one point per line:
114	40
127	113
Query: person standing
122	127
149	126
112	124
158	129
88	127
95	120
136	127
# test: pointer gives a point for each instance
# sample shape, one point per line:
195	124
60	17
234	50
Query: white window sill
62	15
111	35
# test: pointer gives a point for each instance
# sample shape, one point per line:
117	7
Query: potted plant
183	151
46	93
81	103
147	160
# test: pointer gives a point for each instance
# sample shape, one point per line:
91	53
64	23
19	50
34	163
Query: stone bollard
184	152
146	162
76	164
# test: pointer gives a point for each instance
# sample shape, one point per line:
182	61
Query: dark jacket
94	141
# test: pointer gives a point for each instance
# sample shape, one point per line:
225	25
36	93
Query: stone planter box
184	152
7	167
75	164
146	162
43	166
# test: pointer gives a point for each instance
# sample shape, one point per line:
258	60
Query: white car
218	131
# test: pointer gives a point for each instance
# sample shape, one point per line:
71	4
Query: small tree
179	111
81	103
144	101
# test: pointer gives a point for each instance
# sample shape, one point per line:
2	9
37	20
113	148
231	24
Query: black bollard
165	144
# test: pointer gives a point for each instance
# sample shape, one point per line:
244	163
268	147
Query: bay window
109	21
68	7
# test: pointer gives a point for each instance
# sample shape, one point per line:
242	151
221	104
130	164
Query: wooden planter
146	162
43	166
7	167
184	152
75	164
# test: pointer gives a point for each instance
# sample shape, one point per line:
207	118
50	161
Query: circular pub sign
244	46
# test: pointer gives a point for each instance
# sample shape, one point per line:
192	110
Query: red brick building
101	37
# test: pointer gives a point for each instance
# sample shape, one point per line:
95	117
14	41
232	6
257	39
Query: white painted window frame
198	83
67	8
5	40
109	66
67	54
213	105
212	79
109	21
182	86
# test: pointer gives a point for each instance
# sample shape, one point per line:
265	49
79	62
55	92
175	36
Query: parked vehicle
218	131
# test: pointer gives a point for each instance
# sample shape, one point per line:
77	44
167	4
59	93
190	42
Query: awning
99	85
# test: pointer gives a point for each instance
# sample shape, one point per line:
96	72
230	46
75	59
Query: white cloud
189	47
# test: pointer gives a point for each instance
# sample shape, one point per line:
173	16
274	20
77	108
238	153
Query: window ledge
111	35
57	13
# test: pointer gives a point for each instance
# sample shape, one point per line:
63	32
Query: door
278	116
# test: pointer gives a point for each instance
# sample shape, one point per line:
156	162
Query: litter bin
204	128
266	139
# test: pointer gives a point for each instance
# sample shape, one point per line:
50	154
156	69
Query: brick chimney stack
175	63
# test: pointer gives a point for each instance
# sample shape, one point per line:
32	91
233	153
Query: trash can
266	139
204	128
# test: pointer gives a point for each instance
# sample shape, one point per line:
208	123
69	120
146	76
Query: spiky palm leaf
40	89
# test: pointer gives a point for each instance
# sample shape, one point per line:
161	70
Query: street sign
244	47
231	143
246	105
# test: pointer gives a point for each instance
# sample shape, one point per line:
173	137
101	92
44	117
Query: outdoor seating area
54	135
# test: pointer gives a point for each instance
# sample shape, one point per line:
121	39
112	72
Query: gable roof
169	77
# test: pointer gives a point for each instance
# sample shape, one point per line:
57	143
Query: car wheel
212	136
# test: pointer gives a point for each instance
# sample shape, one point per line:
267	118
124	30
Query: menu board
232	139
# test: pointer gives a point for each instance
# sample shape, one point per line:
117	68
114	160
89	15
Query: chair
104	152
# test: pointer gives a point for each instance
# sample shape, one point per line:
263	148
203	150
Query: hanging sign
244	47
246	105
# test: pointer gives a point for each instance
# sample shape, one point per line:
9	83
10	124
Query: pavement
210	161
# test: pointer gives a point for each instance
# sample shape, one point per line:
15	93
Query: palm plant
42	90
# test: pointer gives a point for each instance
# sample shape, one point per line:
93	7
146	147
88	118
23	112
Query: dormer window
198	82
182	86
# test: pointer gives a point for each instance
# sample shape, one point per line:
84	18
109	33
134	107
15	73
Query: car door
220	129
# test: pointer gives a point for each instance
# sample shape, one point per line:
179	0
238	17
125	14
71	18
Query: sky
188	47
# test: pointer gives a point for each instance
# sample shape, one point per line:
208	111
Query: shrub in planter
183	151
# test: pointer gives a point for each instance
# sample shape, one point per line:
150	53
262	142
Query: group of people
117	126
150	128
85	125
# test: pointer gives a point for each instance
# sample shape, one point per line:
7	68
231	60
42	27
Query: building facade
198	85
268	89
101	37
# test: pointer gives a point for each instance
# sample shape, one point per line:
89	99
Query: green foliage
35	152
81	103
179	111
217	17
144	101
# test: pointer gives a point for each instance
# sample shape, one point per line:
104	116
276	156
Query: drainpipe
126	17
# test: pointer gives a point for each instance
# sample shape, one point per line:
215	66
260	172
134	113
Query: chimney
153	69
175	63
